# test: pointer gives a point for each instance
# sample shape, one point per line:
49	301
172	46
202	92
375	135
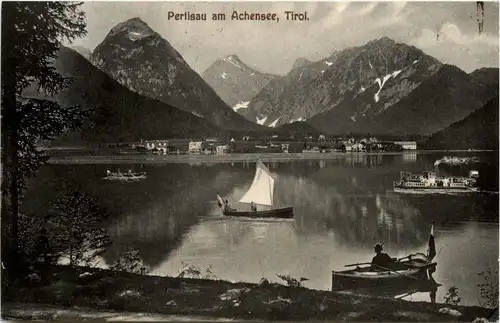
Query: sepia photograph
250	161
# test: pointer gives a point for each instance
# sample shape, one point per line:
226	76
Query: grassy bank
106	290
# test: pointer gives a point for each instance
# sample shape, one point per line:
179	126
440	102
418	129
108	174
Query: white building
407	145
159	145
221	150
195	146
358	147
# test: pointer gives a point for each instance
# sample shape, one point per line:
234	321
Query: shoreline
102	290
228	158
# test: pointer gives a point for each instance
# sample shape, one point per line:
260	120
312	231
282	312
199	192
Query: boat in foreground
126	177
403	272
260	193
428	182
407	270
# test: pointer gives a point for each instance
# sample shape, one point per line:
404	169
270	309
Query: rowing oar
389	270
359	263
369	263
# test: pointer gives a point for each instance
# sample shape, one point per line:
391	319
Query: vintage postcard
281	161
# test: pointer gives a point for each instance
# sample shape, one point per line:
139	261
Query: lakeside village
247	144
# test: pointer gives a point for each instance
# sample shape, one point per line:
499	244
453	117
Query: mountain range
380	88
140	59
234	81
119	114
138	87
443	98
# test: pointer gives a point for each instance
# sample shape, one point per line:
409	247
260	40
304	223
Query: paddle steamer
429	182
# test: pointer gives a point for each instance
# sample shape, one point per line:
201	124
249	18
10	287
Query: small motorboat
261	192
126	177
411	269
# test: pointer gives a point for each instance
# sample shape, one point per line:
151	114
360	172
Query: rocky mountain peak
134	27
232	57
235	61
386	41
234	81
301	61
143	61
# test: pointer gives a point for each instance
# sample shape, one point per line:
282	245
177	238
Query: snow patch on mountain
223	75
370	63
133	35
382	82
232	60
241	105
297	120
300	76
353	118
197	114
328	63
362	89
261	121
273	124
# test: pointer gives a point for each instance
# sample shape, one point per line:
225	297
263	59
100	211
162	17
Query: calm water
343	207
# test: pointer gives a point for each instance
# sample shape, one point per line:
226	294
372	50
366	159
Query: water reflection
409	157
343	206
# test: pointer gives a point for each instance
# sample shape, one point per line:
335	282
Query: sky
273	47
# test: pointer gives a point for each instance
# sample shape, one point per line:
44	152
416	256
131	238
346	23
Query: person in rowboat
381	259
253	207
226	206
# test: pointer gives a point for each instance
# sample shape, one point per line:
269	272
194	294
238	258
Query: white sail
262	189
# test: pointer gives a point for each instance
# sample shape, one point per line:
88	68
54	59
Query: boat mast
270	191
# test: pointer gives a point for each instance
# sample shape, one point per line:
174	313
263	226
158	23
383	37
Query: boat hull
281	213
434	190
125	176
367	278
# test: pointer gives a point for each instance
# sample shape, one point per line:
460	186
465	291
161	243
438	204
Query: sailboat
260	193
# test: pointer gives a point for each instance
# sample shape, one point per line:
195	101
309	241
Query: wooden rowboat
118	176
411	269
260	193
403	272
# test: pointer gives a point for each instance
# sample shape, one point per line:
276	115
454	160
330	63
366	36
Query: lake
343	207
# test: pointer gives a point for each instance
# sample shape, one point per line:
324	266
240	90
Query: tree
76	221
130	262
32	33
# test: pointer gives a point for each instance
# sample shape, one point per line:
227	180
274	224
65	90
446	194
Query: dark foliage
75	219
31	36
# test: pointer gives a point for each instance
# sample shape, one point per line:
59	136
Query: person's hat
378	247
